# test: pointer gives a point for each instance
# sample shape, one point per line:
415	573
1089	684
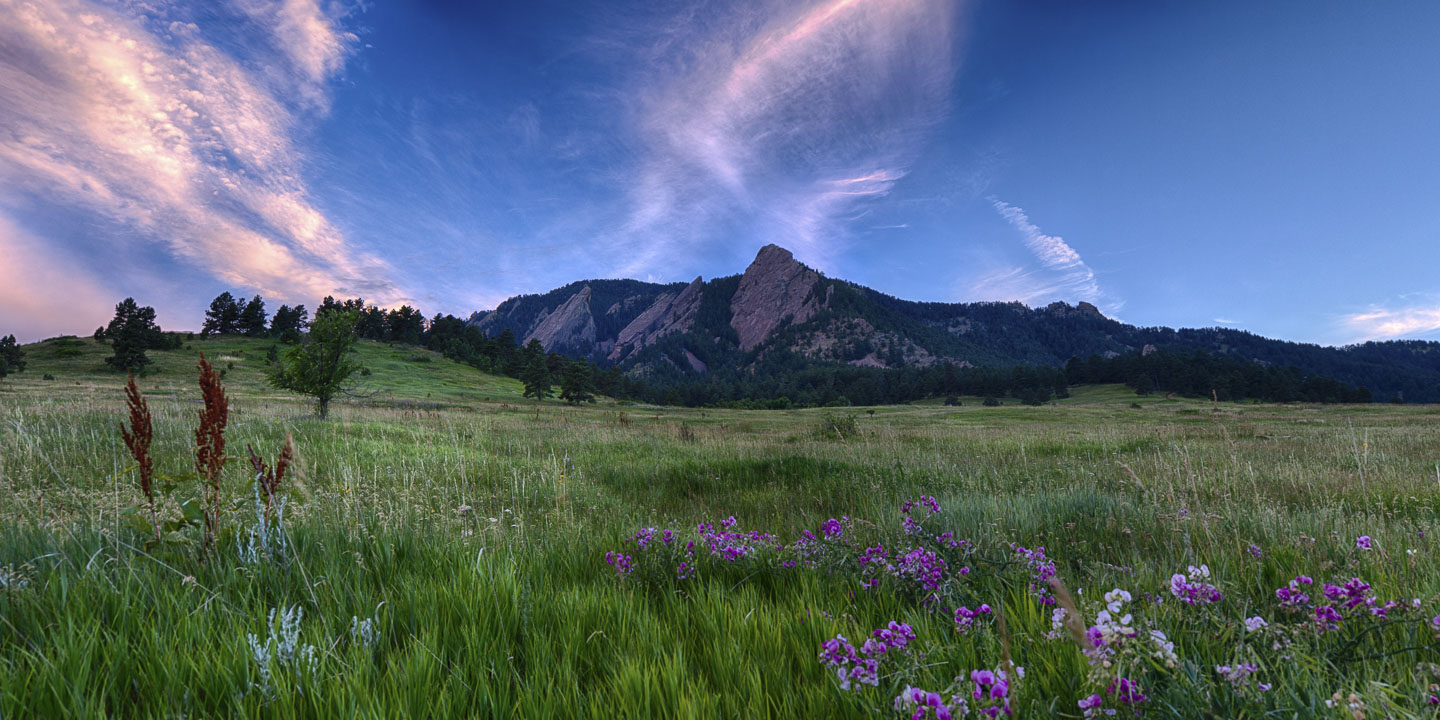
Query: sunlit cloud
1386	323
128	114
784	122
1062	274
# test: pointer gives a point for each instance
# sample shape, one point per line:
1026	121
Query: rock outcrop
570	326
670	313
775	289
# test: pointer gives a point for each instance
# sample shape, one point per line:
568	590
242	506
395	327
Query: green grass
520	616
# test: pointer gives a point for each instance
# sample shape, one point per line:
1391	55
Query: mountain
780	316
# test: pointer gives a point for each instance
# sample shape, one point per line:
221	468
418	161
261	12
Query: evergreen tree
405	325
536	377
223	317
322	365
12	358
252	318
288	323
577	385
131	332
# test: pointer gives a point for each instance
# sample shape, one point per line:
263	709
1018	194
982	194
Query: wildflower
1127	691
849	667
1291	596
896	636
1327	618
1116	599
965	617
1164	649
1192	589
1255	624
1363	542
1042	569
925	704
831	529
623	564
643	537
1090	706
1255	551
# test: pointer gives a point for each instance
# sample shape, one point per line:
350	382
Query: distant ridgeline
782	334
783	330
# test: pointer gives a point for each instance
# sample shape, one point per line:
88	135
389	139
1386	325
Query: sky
1271	166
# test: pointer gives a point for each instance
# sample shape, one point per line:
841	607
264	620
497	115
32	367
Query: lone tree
223	317
12	358
321	365
131	332
577	385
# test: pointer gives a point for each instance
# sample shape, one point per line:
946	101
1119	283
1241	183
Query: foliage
210	447
131	333
322	364
12	358
223	317
576	384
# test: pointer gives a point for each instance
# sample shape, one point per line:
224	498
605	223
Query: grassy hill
399	374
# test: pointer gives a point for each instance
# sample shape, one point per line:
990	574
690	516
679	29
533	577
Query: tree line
779	380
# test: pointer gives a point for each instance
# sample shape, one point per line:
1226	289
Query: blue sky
1268	166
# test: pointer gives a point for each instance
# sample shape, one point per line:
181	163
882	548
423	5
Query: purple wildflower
1363	542
623	564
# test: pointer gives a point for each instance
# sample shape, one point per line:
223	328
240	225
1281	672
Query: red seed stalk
138	438
210	445
270	479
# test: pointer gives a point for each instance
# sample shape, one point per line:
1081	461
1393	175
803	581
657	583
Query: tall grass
479	533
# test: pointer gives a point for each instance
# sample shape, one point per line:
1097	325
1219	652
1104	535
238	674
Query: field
446	555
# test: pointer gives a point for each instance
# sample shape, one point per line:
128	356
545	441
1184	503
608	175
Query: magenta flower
1363	542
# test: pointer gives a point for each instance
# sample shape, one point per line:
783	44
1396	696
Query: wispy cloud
1388	323
1225	321
777	124
130	114
1061	275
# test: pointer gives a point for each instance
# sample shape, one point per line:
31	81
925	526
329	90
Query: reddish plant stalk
210	446
138	438
270	479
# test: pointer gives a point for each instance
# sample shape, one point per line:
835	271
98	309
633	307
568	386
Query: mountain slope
781	316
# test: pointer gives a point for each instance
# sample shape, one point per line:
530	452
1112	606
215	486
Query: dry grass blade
1074	621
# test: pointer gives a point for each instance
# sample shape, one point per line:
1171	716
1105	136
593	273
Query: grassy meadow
446	554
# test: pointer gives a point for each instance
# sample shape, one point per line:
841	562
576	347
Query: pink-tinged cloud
310	38
127	114
1061	275
785	118
1383	323
44	291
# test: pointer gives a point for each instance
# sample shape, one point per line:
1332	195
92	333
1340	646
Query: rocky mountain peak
670	313
775	289
570	326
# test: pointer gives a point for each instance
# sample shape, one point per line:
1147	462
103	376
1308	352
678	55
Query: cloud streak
782	123
1384	323
1062	274
129	115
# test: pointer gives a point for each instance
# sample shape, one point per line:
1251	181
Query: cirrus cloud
130	115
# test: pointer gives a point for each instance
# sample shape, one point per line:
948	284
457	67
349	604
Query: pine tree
252	317
12	358
131	333
223	317
536	377
577	385
288	323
